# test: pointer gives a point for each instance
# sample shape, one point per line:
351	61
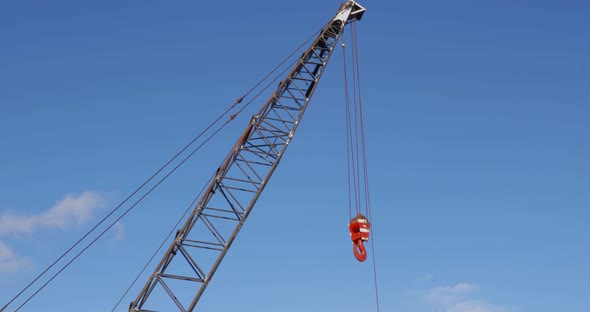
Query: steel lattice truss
200	245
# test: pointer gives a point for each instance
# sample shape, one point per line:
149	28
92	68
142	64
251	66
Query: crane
200	245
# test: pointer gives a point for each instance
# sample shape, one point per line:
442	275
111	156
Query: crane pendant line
239	181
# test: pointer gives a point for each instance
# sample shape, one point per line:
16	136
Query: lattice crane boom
204	239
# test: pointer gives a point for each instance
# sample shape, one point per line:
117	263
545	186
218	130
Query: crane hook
360	229
359	250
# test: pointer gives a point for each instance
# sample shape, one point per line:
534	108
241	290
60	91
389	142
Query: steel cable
238	101
365	166
120	204
357	163
347	117
196	198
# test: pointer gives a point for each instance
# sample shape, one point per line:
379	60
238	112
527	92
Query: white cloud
118	231
10	261
70	211
425	278
446	295
476	306
5	251
460	298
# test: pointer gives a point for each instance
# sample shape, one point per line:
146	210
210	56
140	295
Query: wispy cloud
118	231
461	297
425	278
446	295
10	261
70	211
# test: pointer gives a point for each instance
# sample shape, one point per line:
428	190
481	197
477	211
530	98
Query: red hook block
360	229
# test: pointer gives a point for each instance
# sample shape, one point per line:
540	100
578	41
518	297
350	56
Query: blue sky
477	130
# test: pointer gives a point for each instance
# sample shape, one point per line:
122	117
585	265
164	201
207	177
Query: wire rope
238	101
196	198
355	131
365	163
356	147
347	122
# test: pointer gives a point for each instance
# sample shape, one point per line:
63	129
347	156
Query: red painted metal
359	251
360	230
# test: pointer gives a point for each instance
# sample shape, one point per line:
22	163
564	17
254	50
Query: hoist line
375	268
352	128
362	122
356	128
366	170
196	198
350	156
238	101
347	117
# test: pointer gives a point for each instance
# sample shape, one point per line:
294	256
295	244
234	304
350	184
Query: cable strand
238	101
122	215
120	205
365	164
